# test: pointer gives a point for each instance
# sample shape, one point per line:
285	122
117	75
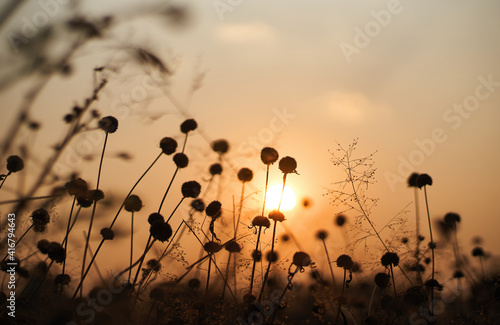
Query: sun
274	195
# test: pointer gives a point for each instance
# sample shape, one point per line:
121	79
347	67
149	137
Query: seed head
40	217
84	201
155	217
15	164
168	145
56	252
63	279
198	205
181	160
276	216
422	180
477	251
212	247
233	247
154	265
191	189
269	155
77	187
188	125
43	246
322	234
288	165
108	124
301	259
382	280
220	146
215	169
213	209
345	262
260	221
390	258
257	255
340	220
245	174
160	231
451	219
133	203
96	195
412	180
272	257
107	233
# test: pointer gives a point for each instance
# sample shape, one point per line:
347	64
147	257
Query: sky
417	82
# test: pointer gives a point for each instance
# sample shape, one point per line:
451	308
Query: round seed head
233	247
345	262
269	155
404	240
160	231
107	233
301	259
272	257
212	247
84	201
422	180
56	252
96	195
15	164
340	220
188	125
43	246
390	258
108	124
154	265
285	237
215	169
62	279
181	160
77	187
245	174
40	217
382	280
198	205
260	221
477	251
168	145
191	189
288	165
213	209
412	180
451	219
276	216
155	217
322	234
257	255
133	203
220	146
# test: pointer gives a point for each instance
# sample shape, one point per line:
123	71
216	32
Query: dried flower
220	146
477	251
451	219
213	209
340	220
63	279
107	233
198	205
96	195
188	125
390	258
133	203
40	217
432	283
76	187
43	246
288	165
212	247
15	164
155	217
345	262
233	247
257	255
276	216
215	169
194	283
382	280
157	294
56	252
273	257
191	189
168	145
269	155
154	265
301	259
322	234
458	274
412	180
245	174
108	124
260	221
181	160
422	180
160	231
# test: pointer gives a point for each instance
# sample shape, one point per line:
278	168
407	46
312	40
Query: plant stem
329	264
131	246
432	248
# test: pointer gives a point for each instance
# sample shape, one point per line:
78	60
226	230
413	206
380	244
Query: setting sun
274	195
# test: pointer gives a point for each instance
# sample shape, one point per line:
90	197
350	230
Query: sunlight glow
274	194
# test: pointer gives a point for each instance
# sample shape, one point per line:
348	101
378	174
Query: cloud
245	32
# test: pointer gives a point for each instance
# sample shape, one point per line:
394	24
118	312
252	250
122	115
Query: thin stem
168	188
329	264
148	247
177	206
254	260
432	247
131	246
266	275
67	235
417	233
265	191
4	179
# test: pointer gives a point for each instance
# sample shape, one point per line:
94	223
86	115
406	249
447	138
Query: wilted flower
276	216
108	124
213	209
245	174
191	189
345	262
160	231
132	203
96	195
390	258
107	233
168	145
215	169
269	155
288	165
382	280
422	180
188	125
15	164
412	180
260	221
220	146
181	160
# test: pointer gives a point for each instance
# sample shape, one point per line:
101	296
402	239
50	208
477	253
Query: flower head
272	256
269	155
215	169
133	203
345	262
15	164
213	209
191	189
288	165
276	216
155	217
40	218
76	187
108	124
160	231
390	258
340	220
107	233
188	125
321	234
56	252
451	219
477	251
233	247
261	221
168	145
422	180
382	280
198	205
301	259
63	279
245	174
212	247
257	255
412	180
220	146
181	160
